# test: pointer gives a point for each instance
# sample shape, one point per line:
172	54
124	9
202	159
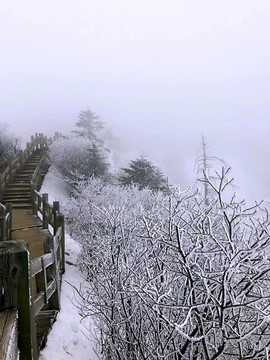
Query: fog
159	74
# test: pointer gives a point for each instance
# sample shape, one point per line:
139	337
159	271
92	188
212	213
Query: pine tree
97	165
88	126
144	174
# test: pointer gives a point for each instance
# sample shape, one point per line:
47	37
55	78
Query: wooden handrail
16	285
46	271
9	334
5	222
38	142
51	217
36	176
16	269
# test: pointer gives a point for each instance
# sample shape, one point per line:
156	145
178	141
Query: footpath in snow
70	337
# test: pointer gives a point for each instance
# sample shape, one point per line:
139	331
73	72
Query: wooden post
3	223
9	335
41	281
10	171
33	141
16	285
1	187
61	222
38	181
53	273
9	230
56	208
45	209
33	196
28	150
21	158
46	142
39	141
39	203
3	228
42	141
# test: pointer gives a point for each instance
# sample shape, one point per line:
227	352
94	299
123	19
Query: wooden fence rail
5	222
18	273
52	219
9	335
39	141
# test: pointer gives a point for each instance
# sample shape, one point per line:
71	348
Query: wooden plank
16	285
44	322
45	209
34	236
24	218
36	264
40	299
9	335
53	272
45	268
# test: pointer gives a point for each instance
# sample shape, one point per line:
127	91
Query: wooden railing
46	270
39	141
5	222
52	219
17	272
9	335
36	178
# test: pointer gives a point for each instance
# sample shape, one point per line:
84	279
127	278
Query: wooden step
19	183
25	171
14	186
17	191
16	196
26	205
21	179
17	200
44	321
22	175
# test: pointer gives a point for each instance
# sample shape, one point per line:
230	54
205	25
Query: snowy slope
70	337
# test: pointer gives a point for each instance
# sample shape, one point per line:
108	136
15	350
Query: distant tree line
172	274
9	146
85	156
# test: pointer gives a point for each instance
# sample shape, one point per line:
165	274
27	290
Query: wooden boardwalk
32	254
25	226
28	227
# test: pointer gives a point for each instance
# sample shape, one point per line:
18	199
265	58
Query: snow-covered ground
70	337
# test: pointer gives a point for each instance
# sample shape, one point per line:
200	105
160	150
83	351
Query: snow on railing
18	272
38	141
9	335
5	222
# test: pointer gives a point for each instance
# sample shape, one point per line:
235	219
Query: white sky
159	73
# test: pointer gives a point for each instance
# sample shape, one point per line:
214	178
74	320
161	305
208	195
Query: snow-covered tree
142	173
88	126
171	277
9	144
78	159
205	165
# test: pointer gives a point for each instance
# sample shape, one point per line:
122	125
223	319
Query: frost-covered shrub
78	159
9	144
171	277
